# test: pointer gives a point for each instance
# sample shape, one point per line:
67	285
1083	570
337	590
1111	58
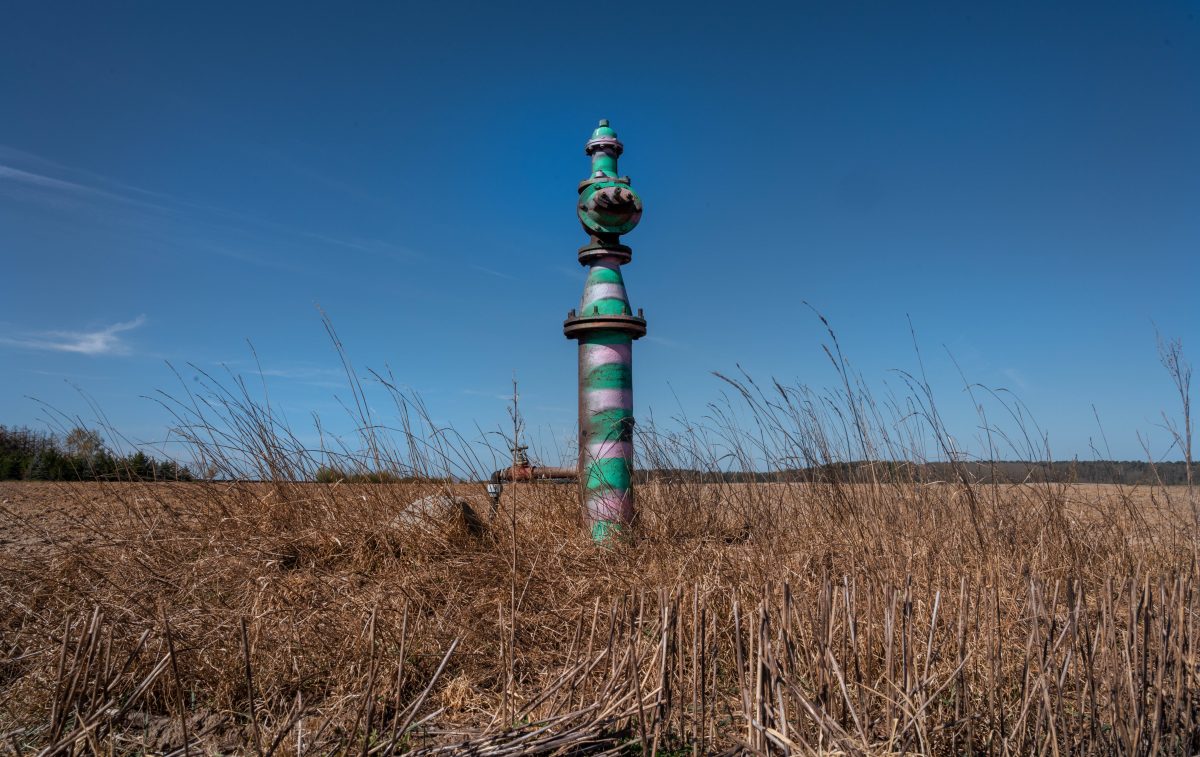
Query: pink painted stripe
595	355
611	505
608	399
601	450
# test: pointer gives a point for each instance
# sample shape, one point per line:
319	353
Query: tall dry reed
883	611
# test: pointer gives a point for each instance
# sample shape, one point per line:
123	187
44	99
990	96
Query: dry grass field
918	610
291	618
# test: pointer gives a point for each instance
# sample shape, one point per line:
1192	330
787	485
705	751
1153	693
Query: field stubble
899	614
848	618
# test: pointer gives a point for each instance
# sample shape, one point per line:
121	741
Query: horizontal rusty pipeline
534	473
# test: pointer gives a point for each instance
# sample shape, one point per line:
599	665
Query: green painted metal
604	164
609	473
609	376
603	131
606	329
604	336
605	530
608	205
610	426
608	306
600	275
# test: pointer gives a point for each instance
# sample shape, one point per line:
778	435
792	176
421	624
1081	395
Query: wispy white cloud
665	342
253	259
9	173
326	378
495	273
33	178
73	375
300	373
40	183
304	372
14	157
490	395
1018	378
105	341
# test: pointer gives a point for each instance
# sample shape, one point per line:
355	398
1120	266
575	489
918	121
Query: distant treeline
332	475
29	455
1071	471
81	455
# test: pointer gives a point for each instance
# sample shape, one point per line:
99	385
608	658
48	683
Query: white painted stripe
608	399
601	450
602	291
602	354
610	505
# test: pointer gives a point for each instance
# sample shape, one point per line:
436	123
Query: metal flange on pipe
605	327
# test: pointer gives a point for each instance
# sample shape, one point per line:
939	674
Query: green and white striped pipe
606	405
608	207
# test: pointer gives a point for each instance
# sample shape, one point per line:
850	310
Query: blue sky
1021	180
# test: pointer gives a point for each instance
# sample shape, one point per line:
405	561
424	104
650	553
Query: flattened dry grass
892	614
795	625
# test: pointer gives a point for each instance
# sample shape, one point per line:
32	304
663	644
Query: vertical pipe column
606	327
606	404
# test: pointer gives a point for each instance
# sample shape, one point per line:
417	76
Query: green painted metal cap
604	130
604	137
